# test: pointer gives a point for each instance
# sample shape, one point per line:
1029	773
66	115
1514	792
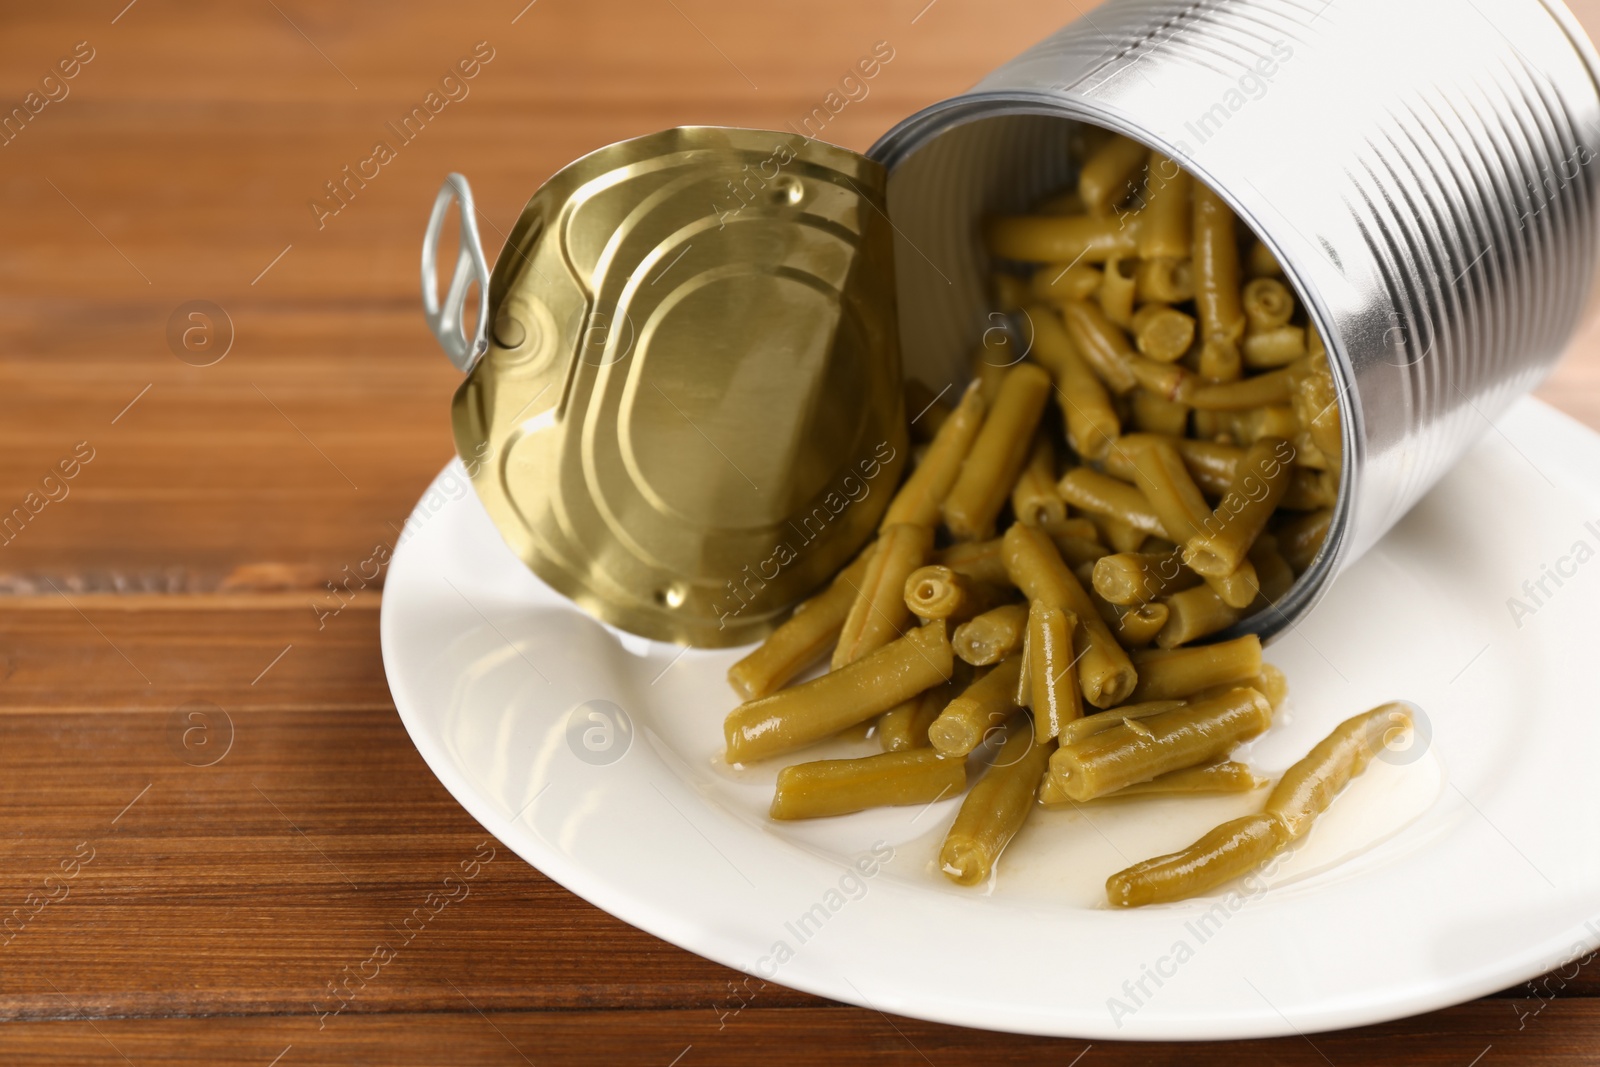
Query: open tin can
1433	206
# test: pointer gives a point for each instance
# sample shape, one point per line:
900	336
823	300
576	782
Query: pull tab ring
445	320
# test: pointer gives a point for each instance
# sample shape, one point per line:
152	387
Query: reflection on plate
1449	870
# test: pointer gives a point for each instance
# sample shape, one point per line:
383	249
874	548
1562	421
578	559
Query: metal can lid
683	405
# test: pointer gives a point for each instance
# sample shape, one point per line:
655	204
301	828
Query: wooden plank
1484	1033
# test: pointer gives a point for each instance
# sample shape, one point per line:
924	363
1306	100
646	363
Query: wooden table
213	757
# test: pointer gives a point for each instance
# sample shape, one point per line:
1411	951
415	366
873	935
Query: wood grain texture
187	571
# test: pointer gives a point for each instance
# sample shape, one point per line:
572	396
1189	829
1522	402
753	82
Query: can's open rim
916	131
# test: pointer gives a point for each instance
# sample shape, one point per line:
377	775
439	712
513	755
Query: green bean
1130	578
995	808
1262	263
992	636
1230	851
1193	614
802	640
1137	750
1092	423
1273	348
1268	304
1167	211
1105	673
1300	539
1218	776
1270	683
989	370
1165	280
981	707
1106	177
1056	698
905	726
1162	333
1073	281
1136	625
1111	498
1089	725
1316	403
1063	239
1076	550
998	454
1171	674
982	561
923	493
938	592
1153	413
1117	289
1034	499
1307	788
840	786
1102	344
795	717
1164	480
1218	295
1119	535
1219	546
879	614
1273	387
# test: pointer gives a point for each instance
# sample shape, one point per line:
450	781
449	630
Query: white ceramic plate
1460	866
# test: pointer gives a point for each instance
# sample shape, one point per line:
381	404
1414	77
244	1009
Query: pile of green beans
1045	590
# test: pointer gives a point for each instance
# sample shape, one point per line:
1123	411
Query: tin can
1422	171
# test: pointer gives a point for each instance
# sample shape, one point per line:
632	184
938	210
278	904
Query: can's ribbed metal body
1425	172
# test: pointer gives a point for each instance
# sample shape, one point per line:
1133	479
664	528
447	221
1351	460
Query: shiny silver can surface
1424	170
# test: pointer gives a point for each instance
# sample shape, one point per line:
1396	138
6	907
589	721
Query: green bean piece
1262	263
1056	697
1165	280
1218	776
1105	673
1117	291
1111	498
1075	550
1089	725
1120	536
1218	295
1092	423
1193	614
1172	674
1316	403
1270	683
1165	482
981	707
889	779
1136	625
1138	750
1034	499
795	717
879	614
1268	304
1130	578
1063	239
1221	543
996	807
1307	788
1165	233
1273	387
1162	333
1069	281
905	726
998	454
1153	413
803	639
1106	178
1274	348
991	637
1102	344
1230	851
982	561
1301	538
923	493
939	592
